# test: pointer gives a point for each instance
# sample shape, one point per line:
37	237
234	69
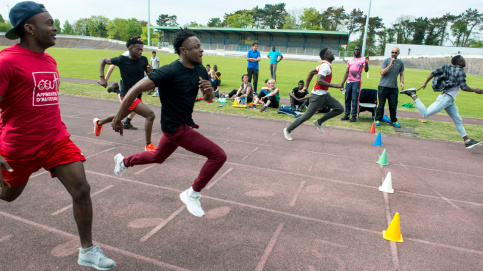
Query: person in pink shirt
32	134
353	75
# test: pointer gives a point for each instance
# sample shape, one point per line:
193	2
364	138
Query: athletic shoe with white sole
472	143
319	127
95	258
118	165
192	203
287	135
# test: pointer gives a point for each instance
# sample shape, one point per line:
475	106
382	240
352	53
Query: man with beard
178	84
320	95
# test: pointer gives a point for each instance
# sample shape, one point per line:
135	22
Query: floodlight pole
149	30
365	30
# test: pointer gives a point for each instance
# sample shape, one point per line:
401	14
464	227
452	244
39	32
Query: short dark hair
153	52
322	52
21	27
302	81
255	43
266	80
455	59
132	41
180	36
208	65
244	76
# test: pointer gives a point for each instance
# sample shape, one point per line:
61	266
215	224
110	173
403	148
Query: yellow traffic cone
393	232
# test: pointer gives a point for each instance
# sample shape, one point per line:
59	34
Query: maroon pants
191	140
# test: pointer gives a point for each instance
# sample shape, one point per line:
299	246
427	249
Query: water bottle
342	90
220	106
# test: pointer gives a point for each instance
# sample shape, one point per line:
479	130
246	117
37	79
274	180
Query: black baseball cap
21	12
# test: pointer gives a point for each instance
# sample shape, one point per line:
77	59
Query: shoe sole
182	197
94	266
469	147
318	127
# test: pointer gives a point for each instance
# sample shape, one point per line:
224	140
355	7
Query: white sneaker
156	94
287	135
319	127
192	203
95	258
119	168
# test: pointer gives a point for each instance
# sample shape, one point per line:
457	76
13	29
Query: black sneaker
345	117
264	109
353	119
113	88
410	92
472	143
129	127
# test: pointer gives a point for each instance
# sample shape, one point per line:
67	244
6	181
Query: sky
202	11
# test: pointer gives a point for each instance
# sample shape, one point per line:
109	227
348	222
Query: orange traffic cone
373	128
393	232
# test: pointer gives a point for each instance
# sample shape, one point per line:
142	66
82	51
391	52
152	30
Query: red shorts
134	104
60	153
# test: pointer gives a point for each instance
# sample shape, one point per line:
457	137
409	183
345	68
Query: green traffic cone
383	159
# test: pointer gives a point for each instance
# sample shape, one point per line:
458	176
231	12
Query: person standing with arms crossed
320	95
387	89
448	79
178	84
155	65
274	56
253	57
353	75
32	134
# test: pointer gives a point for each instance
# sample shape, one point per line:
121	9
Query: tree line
456	30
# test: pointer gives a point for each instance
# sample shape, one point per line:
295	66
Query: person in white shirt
155	65
320	95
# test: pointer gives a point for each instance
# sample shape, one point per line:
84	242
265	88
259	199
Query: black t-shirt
132	70
178	88
215	83
298	94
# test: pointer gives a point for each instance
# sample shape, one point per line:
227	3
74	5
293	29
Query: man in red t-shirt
32	134
320	95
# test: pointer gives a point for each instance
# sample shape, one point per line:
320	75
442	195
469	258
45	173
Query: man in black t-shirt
298	96
132	70
178	84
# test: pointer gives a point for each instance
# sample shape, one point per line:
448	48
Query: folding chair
367	101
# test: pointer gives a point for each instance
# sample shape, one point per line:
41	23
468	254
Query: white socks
193	193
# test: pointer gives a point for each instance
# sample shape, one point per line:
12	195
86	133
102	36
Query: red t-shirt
30	113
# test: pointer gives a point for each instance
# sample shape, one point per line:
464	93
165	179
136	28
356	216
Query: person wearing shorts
32	134
132	70
178	84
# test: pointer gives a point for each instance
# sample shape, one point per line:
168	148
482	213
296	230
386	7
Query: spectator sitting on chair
244	90
298	97
268	96
215	83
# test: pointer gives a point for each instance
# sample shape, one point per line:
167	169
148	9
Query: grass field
84	64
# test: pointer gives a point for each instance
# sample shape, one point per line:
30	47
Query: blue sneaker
396	124
376	123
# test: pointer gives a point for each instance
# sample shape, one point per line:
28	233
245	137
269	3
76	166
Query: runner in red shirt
320	95
32	134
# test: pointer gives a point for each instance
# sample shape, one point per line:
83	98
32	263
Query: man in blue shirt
274	55
253	57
